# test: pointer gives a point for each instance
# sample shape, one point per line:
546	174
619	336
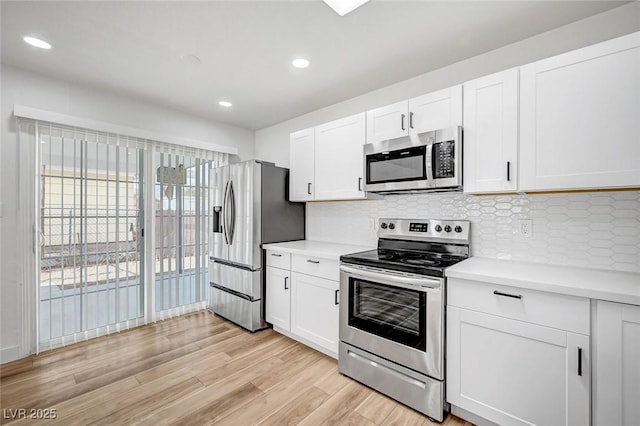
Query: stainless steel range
392	306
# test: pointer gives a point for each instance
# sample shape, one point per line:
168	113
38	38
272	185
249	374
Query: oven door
394	316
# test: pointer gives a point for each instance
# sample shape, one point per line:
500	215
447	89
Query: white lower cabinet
617	369
314	310
278	299
514	372
302	301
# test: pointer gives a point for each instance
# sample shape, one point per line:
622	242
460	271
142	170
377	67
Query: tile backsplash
593	229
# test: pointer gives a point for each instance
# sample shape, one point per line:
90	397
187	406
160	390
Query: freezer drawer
236	279
241	311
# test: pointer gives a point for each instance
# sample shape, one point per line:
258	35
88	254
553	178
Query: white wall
33	90
272	143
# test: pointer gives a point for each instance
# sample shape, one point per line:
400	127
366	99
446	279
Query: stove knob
438	228
383	225
458	228
447	228
391	226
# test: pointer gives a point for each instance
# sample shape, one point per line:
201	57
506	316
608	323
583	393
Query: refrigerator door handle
232	217
225	214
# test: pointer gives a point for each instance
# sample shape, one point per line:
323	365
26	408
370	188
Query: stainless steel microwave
427	161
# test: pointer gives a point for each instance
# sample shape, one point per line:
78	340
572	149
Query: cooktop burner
424	263
424	247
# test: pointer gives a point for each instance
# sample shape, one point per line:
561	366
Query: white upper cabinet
388	122
491	133
580	118
338	159
437	110
433	111
326	161
301	169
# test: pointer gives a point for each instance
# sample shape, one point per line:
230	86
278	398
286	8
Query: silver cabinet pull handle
335	297
285	283
508	171
402	117
309	188
359	184
313	261
276	255
411	120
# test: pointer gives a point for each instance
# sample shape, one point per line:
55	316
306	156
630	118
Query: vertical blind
181	230
97	271
91	216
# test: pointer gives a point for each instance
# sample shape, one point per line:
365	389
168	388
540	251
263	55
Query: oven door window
444	160
394	313
395	166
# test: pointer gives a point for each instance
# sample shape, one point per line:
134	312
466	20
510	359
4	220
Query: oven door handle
397	280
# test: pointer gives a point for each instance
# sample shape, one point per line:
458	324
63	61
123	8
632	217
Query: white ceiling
138	48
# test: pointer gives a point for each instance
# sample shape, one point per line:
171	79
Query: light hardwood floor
193	370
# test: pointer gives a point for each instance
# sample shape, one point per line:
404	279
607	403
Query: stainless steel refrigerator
249	207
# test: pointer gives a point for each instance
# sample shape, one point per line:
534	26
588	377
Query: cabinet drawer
553	310
316	266
278	259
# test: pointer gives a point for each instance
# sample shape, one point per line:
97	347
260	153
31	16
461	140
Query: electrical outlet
526	228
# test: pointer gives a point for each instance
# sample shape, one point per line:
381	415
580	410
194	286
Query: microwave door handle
429	161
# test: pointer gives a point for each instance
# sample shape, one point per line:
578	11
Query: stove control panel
454	231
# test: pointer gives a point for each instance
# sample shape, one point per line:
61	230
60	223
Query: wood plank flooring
193	370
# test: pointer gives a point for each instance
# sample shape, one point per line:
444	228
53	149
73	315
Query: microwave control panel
444	160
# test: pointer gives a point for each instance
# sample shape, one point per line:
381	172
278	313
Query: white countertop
323	249
600	284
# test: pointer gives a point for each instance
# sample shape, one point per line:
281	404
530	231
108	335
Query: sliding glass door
97	272
91	245
181	232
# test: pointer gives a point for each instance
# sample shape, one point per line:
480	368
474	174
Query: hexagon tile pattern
591	229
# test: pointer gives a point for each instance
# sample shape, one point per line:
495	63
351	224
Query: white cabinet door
301	165
491	133
437	110
314	310
388	122
338	159
579	118
516	373
278	297
617	369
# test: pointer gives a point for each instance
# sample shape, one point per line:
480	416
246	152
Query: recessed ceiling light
36	42
342	7
225	104
300	63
